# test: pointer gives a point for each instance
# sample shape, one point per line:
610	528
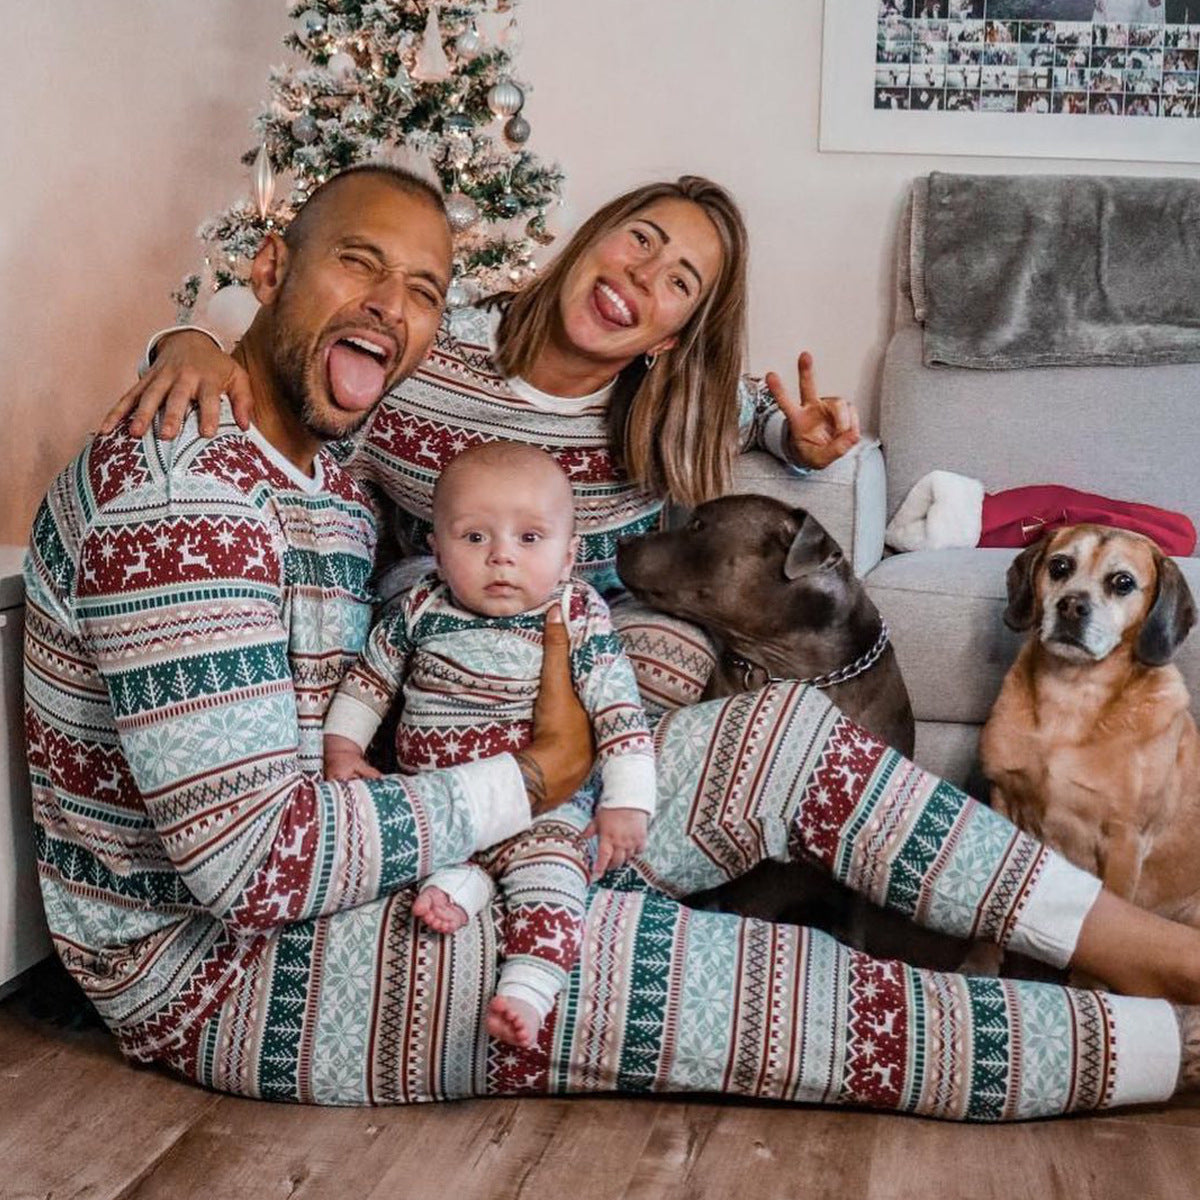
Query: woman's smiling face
635	287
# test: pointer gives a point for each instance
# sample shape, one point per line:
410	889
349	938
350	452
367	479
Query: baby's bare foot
512	1021
436	911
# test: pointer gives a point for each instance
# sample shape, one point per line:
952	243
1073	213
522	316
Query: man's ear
269	268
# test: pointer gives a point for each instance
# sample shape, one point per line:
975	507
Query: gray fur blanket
1037	270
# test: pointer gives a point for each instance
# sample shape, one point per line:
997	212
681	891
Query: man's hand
622	835
821	428
344	760
560	756
188	369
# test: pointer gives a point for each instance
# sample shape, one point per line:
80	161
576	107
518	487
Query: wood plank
77	1121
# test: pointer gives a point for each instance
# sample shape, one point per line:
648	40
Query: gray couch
1126	432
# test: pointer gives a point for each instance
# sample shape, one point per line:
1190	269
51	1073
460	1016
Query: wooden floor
76	1121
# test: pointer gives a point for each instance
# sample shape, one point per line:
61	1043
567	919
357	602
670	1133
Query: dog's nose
1074	606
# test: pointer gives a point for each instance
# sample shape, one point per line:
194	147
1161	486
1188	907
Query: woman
623	362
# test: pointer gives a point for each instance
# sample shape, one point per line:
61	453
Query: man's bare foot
436	911
512	1021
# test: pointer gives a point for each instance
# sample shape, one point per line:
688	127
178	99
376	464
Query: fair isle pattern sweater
459	398
469	683
191	608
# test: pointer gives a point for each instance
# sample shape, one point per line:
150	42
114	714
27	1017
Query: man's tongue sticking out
356	378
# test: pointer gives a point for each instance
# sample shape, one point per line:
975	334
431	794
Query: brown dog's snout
1074	606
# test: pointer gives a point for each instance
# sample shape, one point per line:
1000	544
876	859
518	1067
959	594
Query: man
192	605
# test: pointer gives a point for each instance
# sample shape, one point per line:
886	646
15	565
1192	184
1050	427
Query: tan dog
1090	745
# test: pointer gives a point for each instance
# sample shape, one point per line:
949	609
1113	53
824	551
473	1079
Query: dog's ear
812	549
1022	600
1171	615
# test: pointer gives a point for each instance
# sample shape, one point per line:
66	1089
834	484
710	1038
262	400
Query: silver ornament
456	295
505	98
517	130
458	122
310	25
304	129
468	42
262	182
461	211
508	205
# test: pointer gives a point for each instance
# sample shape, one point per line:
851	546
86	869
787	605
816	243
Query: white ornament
341	65
262	182
505	98
229	312
461	211
432	65
456	295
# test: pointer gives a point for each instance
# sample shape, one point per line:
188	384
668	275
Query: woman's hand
558	760
822	428
189	368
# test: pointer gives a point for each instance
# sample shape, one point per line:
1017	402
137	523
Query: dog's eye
1122	583
1059	567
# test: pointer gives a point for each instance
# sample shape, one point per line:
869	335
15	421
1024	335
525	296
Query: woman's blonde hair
672	429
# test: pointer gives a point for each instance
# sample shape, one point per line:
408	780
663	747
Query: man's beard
292	381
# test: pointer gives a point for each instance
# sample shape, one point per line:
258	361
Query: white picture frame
850	122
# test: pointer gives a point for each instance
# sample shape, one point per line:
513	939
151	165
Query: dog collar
863	663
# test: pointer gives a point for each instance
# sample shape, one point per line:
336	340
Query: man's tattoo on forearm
535	780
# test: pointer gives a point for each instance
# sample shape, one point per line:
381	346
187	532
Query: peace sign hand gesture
820	428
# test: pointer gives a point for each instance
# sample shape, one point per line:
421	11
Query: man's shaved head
406	182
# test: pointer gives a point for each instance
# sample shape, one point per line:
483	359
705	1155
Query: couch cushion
945	609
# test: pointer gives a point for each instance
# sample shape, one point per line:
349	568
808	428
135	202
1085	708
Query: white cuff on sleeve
468	886
627	781
152	344
1049	927
1146	1050
528	982
351	718
496	795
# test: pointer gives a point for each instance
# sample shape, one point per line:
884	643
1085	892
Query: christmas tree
387	80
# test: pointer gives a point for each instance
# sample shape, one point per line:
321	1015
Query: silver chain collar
864	662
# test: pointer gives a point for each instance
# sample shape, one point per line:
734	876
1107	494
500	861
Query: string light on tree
412	81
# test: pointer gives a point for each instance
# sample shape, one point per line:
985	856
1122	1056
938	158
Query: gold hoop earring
649	360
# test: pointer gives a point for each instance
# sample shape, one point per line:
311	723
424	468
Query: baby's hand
344	760
622	835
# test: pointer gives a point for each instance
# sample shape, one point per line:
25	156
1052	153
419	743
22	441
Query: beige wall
126	118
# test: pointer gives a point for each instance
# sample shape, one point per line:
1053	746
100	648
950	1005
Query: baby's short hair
505	455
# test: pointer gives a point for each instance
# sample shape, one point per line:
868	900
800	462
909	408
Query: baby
465	646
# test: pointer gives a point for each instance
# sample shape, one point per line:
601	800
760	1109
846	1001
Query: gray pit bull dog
776	595
774	592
